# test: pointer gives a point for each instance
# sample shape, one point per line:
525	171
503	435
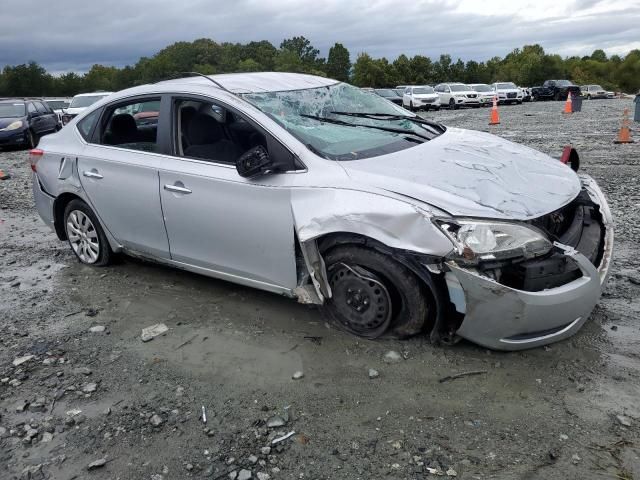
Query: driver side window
210	132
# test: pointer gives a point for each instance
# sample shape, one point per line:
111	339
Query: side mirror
254	162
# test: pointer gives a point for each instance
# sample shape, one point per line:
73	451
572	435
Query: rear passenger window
133	125
85	126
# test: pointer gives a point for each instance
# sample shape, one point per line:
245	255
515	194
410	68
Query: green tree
338	63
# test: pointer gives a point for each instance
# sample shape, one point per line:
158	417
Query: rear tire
372	294
85	235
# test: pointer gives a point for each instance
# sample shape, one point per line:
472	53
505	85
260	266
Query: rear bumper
44	202
504	318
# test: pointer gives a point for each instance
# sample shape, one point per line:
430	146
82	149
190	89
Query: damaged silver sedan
314	189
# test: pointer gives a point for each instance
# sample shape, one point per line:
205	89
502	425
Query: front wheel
85	235
31	139
372	293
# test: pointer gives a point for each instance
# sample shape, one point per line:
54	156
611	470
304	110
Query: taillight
34	156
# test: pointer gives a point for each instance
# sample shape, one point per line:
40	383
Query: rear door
36	120
239	229
48	117
118	170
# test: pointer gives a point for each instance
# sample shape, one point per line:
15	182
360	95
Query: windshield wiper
390	116
376	127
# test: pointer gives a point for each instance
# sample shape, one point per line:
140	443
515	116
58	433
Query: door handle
92	174
177	189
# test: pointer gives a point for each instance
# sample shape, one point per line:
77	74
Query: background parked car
485	93
390	94
507	92
526	94
554	90
58	105
593	91
421	97
456	95
80	102
22	122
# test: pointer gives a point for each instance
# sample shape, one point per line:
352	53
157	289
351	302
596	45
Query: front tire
372	293
85	235
31	139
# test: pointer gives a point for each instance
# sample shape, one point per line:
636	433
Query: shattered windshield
326	120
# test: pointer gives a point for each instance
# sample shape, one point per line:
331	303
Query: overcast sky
71	35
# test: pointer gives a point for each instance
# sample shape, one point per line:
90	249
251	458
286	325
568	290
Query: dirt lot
569	411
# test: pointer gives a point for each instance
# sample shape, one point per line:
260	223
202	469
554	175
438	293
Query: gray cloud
73	34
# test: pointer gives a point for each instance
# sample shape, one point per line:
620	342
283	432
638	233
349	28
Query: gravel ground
568	411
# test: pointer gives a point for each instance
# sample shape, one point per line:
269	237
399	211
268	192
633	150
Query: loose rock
244	474
97	464
20	360
392	357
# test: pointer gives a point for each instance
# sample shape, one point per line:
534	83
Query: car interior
134	126
209	132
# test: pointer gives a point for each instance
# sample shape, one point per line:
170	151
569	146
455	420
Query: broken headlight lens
479	241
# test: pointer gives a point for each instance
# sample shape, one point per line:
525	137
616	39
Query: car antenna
198	74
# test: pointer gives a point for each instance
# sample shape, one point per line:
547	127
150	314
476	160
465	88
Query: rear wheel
85	235
371	293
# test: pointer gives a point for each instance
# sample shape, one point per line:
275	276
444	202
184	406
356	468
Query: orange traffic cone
494	119
624	135
567	105
4	176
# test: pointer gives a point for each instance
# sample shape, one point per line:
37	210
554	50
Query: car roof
257	82
92	94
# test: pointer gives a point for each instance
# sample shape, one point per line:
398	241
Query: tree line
526	66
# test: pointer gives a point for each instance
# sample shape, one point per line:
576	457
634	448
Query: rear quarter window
87	124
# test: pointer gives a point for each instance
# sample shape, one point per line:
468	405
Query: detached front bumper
503	318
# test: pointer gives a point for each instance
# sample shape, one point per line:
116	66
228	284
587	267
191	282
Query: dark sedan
22	122
390	94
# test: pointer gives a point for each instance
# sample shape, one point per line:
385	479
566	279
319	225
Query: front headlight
476	241
13	126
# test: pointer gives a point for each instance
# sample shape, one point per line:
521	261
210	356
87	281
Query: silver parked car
310	188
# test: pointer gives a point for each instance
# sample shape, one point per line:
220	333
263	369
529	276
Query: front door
219	221
239	229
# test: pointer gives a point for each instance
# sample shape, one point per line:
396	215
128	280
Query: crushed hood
470	173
